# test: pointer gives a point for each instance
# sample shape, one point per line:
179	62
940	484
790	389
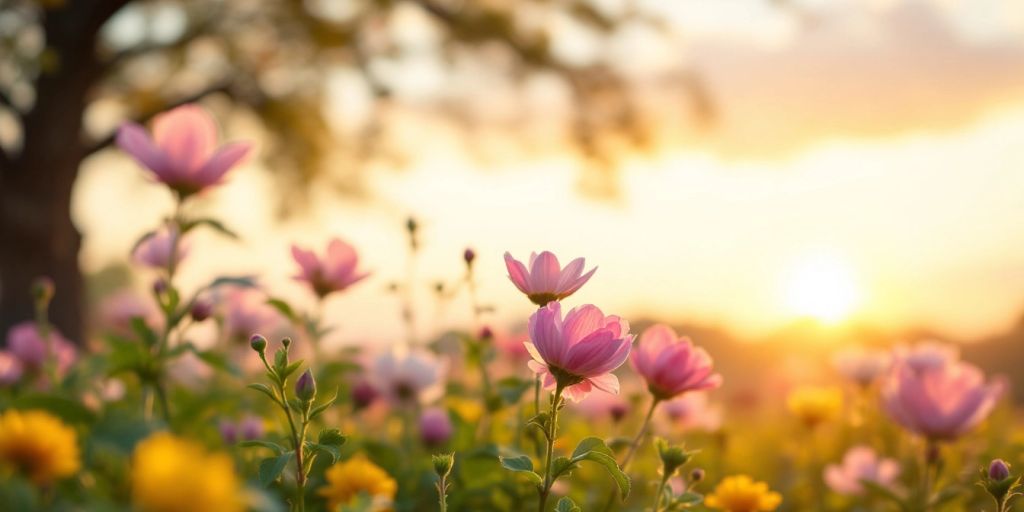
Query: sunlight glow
822	287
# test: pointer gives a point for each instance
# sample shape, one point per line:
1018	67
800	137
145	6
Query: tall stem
552	432
661	492
931	455
638	440
442	491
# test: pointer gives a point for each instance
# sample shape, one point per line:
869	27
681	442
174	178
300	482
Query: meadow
572	409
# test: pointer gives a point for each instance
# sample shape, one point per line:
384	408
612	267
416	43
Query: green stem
638	440
442	487
930	456
661	492
552	432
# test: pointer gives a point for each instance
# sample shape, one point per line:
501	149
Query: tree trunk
37	235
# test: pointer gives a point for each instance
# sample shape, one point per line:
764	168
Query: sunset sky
865	164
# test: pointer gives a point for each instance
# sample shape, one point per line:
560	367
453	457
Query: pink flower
25	343
600	405
579	353
861	365
692	411
546	280
435	426
11	369
860	464
407	377
157	248
183	152
334	272
119	310
672	365
927	354
246	312
940	400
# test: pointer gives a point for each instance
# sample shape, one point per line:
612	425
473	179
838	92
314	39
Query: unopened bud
672	457
443	463
486	334
696	475
998	470
287	342
469	255
305	387
258	343
43	289
201	310
363	394
160	286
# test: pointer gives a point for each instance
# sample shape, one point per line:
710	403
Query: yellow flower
469	410
346	480
170	474
741	493
38	445
814	405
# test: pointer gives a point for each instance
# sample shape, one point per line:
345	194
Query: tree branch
224	87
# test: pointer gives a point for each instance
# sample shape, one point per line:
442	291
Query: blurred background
794	173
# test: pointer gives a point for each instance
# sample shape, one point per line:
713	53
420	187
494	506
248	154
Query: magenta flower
406	377
157	249
860	464
692	411
246	312
25	343
119	310
672	365
183	152
940	400
861	365
435	426
11	368
580	352
334	272
546	280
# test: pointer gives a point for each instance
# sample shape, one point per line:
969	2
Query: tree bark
37	235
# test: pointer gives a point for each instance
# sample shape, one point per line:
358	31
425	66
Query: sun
822	287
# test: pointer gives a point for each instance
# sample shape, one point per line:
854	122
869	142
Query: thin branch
224	87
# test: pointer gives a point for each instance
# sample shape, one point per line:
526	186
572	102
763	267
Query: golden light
822	287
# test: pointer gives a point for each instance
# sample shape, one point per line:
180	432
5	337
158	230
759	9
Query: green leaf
567	505
688	499
271	468
620	477
276	448
263	388
284	308
521	464
142	330
511	389
217	360
885	493
316	411
242	281
561	467
290	369
70	411
540	421
331	451
217	226
331	437
590	444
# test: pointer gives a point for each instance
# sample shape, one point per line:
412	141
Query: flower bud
43	289
258	343
287	342
443	463
696	475
250	428
998	470
486	334
672	457
228	431
305	387
469	255
160	286
363	394
201	310
435	426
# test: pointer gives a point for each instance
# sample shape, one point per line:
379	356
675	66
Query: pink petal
546	329
544	273
581	321
133	139
187	135
517	274
221	162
